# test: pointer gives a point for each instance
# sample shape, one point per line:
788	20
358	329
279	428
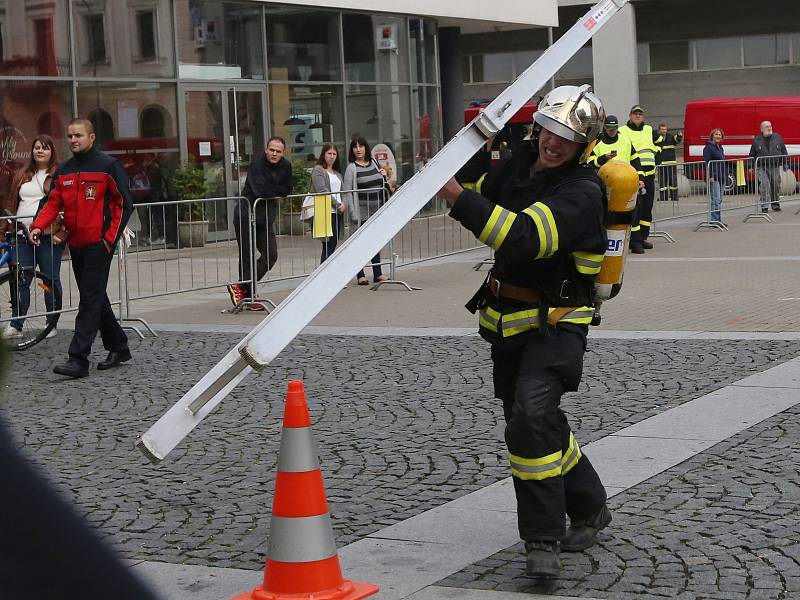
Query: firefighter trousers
644	210
548	482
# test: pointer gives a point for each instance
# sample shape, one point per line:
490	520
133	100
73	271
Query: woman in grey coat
326	178
363	173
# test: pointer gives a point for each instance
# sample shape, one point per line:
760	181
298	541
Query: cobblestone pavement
403	425
723	525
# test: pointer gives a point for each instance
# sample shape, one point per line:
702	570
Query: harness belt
523	294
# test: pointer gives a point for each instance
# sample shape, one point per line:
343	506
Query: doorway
224	134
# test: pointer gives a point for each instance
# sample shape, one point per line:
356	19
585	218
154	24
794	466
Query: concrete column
615	60
452	81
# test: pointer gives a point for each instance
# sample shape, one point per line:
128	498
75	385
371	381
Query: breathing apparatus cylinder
622	184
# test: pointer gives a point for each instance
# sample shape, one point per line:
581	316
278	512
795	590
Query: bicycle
34	328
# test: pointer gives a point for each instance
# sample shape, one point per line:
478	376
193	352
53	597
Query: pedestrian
92	190
270	178
543	211
769	151
717	173
363	173
643	138
667	163
326	178
31	184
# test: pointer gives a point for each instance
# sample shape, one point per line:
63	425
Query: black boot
582	533
542	559
647	245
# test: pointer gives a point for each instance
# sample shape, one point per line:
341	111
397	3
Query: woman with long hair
363	173
31	184
326	178
717	172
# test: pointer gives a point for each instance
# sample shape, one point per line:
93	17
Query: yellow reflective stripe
571	456
545	223
667	147
645	223
580	316
479	183
669	162
519	322
635	227
587	263
536	468
497	227
468	186
489	318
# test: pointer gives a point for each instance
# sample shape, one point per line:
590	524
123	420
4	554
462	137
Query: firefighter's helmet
572	112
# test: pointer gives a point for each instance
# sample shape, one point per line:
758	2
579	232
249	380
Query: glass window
643	57
303	45
524	59
669	56
34	38
719	53
375	48
378	113
306	116
495	67
137	123
427	113
124	38
466	69
765	50
579	66
30	108
423	51
219	40
796	47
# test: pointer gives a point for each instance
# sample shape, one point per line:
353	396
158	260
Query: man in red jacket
92	190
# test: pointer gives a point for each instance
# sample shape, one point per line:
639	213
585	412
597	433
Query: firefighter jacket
619	144
643	139
666	148
547	231
92	190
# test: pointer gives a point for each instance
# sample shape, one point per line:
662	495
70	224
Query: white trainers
10	333
52	333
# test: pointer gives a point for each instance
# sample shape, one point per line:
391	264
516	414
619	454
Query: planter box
192	234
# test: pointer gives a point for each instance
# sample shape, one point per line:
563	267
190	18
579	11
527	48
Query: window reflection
219	40
423	53
124	37
35	38
306	116
429	123
375	48
378	113
136	123
303	45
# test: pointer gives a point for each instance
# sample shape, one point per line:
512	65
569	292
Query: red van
739	119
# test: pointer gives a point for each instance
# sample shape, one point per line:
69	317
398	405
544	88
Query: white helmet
571	112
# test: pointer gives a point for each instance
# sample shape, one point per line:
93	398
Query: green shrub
301	184
187	183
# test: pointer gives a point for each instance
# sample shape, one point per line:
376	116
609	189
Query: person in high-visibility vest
667	163
643	139
612	146
543	211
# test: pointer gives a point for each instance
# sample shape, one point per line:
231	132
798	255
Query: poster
384	156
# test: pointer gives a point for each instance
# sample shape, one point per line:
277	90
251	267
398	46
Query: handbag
307	209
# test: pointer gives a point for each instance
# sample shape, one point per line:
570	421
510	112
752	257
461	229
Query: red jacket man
91	189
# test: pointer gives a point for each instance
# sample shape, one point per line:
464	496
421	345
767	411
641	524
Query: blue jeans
715	193
47	258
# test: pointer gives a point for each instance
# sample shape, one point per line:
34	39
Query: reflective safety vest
642	140
622	145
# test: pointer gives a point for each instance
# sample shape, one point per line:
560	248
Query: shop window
220	40
146	34
96	31
50	123
35	42
307	116
719	53
375	48
154	122
423	51
103	126
669	56
303	45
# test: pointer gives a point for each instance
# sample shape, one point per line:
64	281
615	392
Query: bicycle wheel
36	326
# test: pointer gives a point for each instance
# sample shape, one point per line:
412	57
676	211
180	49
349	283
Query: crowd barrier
685	190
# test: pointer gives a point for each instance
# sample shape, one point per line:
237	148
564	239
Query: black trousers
91	265
530	381
645	210
265	243
668	186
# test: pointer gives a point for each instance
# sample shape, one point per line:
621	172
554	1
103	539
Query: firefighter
667	163
643	138
542	210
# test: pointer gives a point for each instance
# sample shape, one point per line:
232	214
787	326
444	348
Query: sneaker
52	333
542	559
582	533
236	293
10	333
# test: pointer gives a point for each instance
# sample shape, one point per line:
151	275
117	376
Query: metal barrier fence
745	184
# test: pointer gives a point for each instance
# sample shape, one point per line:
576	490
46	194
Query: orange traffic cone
301	560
